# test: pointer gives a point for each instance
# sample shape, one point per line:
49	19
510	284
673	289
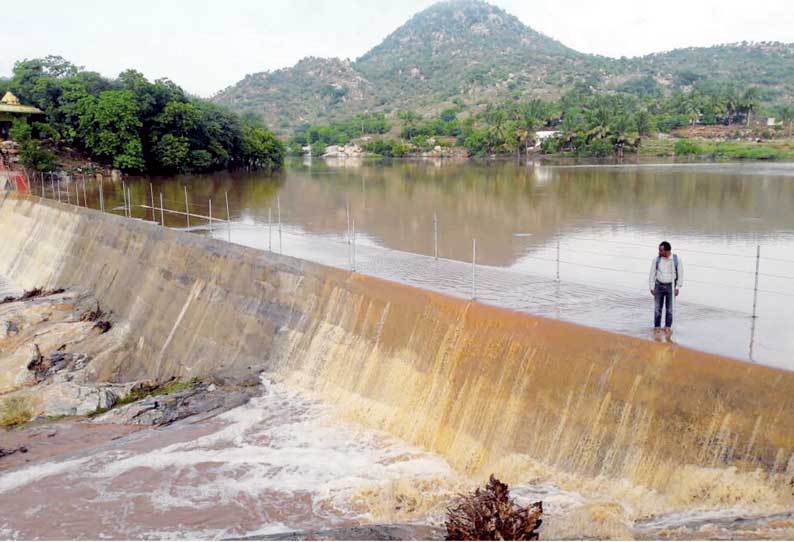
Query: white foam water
278	463
285	462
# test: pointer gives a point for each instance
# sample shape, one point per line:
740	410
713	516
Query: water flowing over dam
488	389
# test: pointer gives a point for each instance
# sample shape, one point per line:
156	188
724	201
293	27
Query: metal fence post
187	209
129	202
755	288
353	245
278	208
228	217
474	268
435	236
59	189
101	196
558	260
162	211
210	217
151	191
124	196
347	209
270	229
85	195
68	195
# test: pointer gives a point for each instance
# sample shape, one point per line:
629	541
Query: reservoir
601	222
376	401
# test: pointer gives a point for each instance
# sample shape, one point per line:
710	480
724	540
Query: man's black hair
665	245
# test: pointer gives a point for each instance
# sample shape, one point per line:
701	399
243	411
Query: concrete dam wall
489	389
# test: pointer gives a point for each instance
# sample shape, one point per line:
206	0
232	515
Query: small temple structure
11	109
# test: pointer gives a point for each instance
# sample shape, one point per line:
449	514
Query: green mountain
472	53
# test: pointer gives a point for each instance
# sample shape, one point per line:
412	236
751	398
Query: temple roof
10	104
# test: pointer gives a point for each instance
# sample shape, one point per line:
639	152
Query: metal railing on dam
491	389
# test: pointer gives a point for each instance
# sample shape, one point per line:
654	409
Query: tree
109	126
498	129
644	122
410	121
731	101
750	102
135	124
172	152
448	115
31	154
787	115
261	148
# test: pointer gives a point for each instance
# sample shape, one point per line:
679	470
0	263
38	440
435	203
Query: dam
485	388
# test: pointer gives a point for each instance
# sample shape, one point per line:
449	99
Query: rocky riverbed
54	346
180	458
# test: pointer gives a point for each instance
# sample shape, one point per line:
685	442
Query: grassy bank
776	149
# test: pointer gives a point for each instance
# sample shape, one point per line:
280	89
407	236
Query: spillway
489	389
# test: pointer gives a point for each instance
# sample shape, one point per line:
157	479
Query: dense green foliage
137	125
389	148
338	133
473	53
589	123
31	153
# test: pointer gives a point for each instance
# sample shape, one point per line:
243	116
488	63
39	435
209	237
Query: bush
31	154
14	411
386	147
598	148
684	147
318	148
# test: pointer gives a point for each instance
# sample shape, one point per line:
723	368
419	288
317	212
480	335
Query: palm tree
497	119
643	122
410	123
522	136
787	115
750	101
731	102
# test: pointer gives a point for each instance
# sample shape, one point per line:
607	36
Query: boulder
166	409
68	398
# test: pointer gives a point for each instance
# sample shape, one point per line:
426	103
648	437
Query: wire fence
217	216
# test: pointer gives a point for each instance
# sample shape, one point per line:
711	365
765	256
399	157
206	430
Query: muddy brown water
285	462
606	220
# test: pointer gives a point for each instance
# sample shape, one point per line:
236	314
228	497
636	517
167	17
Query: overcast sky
205	46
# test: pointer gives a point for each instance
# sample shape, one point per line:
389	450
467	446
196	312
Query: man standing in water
667	277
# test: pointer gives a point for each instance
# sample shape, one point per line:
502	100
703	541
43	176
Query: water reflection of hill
394	203
494	202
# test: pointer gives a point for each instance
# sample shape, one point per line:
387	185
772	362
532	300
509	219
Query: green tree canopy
138	125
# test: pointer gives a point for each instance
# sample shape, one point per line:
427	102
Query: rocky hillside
470	52
467	49
309	91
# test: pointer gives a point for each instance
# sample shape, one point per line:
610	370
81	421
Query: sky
206	46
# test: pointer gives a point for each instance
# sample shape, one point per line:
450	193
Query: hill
472	53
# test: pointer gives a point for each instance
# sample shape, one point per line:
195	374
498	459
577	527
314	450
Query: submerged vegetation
131	123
